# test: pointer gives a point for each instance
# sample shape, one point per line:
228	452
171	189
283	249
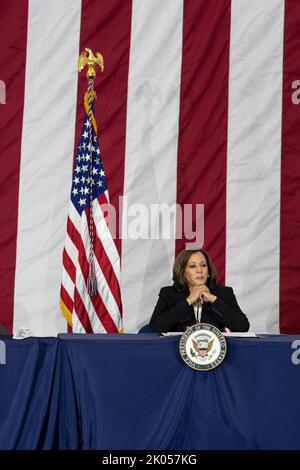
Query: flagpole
91	61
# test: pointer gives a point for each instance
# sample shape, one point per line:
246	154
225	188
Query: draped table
134	392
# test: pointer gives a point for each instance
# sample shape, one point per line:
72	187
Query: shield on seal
203	344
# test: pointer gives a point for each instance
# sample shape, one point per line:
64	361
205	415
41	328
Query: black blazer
173	313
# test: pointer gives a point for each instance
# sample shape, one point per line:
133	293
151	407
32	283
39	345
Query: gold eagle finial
90	60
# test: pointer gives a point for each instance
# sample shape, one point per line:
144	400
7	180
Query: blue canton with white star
80	192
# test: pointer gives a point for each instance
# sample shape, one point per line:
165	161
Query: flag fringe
66	312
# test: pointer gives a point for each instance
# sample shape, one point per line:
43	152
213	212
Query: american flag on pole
101	311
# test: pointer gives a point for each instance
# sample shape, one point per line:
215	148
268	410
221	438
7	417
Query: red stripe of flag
13	39
290	176
69	266
202	145
66	299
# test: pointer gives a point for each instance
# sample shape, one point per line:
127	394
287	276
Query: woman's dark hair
180	264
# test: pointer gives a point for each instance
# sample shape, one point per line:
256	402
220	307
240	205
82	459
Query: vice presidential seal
202	347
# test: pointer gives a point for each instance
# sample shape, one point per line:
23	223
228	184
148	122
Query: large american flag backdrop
197	104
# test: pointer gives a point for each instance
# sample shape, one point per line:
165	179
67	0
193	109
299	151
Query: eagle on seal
202	347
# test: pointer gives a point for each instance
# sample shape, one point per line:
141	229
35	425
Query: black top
173	313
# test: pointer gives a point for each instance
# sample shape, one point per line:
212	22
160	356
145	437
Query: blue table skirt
134	392
29	394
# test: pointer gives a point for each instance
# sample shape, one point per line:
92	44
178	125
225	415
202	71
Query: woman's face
196	271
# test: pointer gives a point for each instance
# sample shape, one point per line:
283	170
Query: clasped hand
200	293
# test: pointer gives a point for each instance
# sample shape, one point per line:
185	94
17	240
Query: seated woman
196	297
